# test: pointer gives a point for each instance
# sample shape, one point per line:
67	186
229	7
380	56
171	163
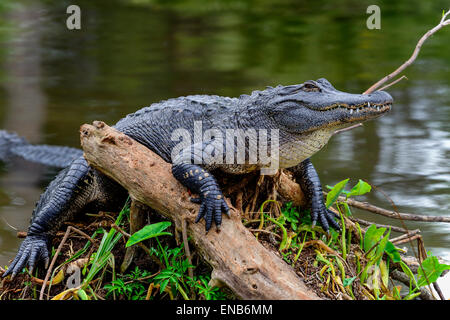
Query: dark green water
130	54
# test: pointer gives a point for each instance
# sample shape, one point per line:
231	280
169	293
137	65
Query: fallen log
238	260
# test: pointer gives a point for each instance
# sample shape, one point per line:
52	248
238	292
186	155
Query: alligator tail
7	141
12	145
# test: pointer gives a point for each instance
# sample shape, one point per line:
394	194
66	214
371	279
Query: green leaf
381	246
409	273
372	236
412	296
348	281
82	294
359	189
163	285
392	252
384	273
149	231
433	270
335	192
364	273
396	293
347	211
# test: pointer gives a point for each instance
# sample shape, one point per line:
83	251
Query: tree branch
413	57
407	63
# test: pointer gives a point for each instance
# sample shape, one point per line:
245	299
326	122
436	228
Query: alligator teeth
368	104
351	111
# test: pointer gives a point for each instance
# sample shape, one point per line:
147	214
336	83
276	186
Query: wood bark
137	221
238	260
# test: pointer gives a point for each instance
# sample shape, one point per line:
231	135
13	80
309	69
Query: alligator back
154	126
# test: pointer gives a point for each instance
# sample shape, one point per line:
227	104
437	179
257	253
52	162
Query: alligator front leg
305	174
200	181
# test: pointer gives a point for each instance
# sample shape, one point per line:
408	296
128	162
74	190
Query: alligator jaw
350	108
360	112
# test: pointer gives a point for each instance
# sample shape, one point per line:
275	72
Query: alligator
304	116
14	146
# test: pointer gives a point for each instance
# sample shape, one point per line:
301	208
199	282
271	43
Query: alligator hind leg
305	174
64	197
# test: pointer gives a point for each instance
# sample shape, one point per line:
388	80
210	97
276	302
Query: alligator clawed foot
32	250
325	216
212	205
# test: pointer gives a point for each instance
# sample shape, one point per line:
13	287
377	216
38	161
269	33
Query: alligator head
316	105
307	115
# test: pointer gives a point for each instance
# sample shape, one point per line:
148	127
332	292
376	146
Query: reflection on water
132	53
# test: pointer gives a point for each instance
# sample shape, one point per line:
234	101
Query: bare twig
321	245
393	82
392	214
82	234
265	231
12	227
186	247
438	290
413	57
405	236
49	271
348	128
409	239
378	225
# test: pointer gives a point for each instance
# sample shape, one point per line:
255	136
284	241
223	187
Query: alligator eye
309	87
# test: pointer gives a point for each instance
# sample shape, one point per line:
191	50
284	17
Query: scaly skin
305	116
11	145
309	181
